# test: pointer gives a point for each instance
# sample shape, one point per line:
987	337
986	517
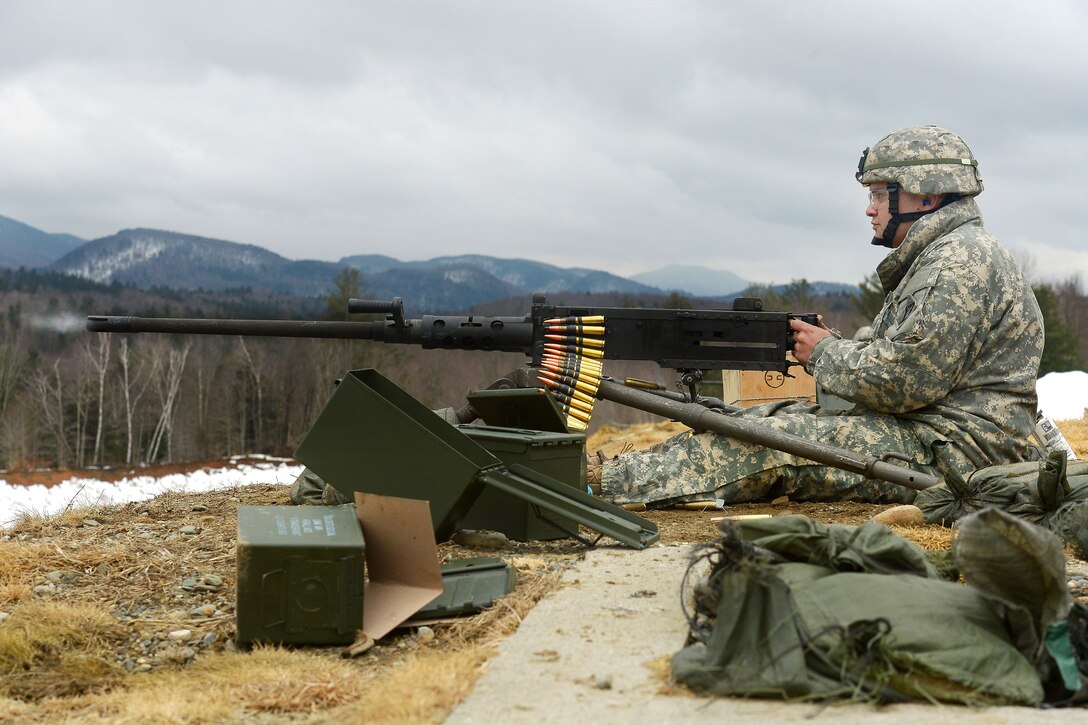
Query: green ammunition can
469	585
558	455
374	437
300	574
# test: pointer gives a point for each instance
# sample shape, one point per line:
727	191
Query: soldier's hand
805	337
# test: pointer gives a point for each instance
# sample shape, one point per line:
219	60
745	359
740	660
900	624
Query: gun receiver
744	337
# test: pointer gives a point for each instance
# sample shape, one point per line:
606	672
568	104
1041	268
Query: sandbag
1013	487
797	609
1021	569
870	547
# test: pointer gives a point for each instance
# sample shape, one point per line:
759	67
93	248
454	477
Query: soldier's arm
922	355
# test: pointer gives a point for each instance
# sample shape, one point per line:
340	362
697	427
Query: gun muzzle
104	323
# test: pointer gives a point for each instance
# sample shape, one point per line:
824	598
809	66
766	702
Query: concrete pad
594	651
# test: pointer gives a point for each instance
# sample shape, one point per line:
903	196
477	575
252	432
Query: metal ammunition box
300	574
374	437
559	455
469	585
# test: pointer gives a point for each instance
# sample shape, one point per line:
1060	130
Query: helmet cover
922	160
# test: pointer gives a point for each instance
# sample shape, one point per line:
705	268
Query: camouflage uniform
948	377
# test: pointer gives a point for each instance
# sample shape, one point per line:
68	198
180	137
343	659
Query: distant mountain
21	245
373	263
153	258
692	279
524	275
147	258
815	289
150	258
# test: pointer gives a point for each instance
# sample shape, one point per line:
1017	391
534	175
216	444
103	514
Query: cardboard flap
401	560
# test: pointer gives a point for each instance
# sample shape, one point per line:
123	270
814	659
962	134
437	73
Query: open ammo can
558	455
300	574
373	437
524	425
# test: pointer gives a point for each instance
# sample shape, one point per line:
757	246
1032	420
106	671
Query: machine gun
566	345
743	337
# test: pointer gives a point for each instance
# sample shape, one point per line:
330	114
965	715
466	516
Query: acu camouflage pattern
694	467
921	144
947	379
956	348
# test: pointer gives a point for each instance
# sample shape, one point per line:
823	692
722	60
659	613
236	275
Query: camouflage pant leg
708	465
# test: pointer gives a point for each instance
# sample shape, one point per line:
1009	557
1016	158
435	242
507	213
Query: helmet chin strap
888	237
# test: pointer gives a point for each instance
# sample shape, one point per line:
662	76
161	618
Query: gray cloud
620	135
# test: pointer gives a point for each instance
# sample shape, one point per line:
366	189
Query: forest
74	399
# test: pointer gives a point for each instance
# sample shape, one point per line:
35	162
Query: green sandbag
870	547
756	647
1060	482
943	641
797	609
1013	487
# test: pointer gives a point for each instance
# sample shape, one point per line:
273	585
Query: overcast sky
615	135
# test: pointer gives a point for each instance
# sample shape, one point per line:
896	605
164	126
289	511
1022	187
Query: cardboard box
746	388
401	559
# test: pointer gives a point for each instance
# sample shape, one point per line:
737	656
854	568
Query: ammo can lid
520	437
530	408
325	526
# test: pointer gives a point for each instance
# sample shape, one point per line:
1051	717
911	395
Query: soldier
947	378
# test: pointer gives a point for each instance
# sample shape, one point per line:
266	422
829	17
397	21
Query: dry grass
230	687
54	649
1076	433
424	690
409	683
118	583
612	441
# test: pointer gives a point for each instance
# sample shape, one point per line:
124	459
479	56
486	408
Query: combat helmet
919	160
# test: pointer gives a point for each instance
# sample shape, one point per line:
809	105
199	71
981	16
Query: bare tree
209	352
48	391
18	433
99	360
135	378
167	386
13	364
254	370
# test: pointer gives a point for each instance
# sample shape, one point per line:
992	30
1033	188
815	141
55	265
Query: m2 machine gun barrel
506	334
744	337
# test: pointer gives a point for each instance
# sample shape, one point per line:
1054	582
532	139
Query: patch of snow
460	276
16	500
1063	396
102	269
